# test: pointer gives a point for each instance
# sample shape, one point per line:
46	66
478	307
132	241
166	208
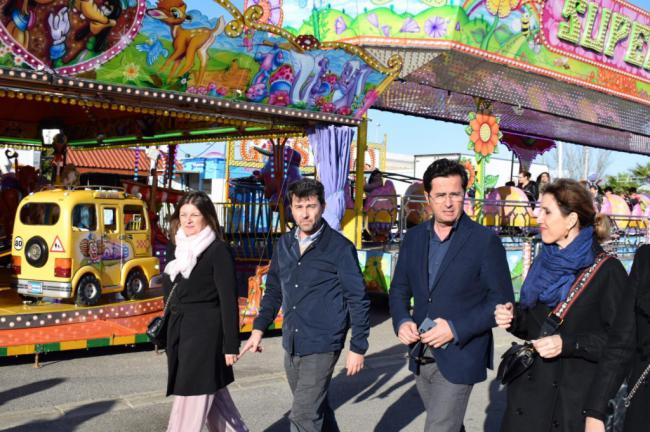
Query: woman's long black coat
628	351
551	395
637	418
203	324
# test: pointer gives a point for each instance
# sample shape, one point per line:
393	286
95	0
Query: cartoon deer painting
188	43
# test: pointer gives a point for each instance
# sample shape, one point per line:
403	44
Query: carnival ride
102	86
523	73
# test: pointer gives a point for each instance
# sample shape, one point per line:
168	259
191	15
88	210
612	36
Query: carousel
138	75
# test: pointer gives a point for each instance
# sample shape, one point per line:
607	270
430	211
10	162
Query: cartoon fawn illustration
188	43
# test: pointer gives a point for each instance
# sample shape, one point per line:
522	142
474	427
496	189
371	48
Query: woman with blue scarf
551	395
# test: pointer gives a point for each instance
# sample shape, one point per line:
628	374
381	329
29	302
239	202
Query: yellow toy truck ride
81	244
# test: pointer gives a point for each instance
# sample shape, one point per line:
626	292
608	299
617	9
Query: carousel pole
278	164
362	145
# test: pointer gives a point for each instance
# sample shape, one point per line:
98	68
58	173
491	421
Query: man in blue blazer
456	272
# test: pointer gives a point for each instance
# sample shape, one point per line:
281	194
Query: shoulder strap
555	318
175	284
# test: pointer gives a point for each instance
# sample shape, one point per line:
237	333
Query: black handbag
157	328
520	357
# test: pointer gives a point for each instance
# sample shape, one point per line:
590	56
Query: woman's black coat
551	395
628	351
203	324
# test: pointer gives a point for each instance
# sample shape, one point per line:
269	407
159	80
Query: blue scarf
554	271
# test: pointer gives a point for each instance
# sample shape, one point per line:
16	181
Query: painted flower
373	19
340	26
320	101
385	29
484	133
502	8
330	78
279	98
410	26
131	72
191	89
328	107
436	27
4	50
471	172
345	111
222	91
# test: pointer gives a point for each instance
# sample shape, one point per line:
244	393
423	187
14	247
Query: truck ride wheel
135	286
88	291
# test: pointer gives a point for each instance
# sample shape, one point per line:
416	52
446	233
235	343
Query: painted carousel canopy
119	72
573	70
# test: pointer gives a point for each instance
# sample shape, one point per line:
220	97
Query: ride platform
49	326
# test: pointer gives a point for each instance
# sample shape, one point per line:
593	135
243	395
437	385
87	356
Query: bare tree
578	160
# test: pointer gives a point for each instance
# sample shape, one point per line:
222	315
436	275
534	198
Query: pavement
122	389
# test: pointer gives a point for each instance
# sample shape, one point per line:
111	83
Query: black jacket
203	324
321	293
551	395
628	350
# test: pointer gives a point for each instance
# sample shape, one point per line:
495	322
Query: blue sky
413	135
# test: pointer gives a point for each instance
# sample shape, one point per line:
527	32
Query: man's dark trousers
309	379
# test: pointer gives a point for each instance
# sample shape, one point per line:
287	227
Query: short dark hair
609	189
631	190
305	188
525	174
444	168
204	204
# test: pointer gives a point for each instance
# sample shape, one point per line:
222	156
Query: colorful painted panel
200	47
377	268
551	37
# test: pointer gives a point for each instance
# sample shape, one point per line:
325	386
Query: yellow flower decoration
502	8
131	72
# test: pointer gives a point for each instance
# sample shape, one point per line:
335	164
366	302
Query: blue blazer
472	279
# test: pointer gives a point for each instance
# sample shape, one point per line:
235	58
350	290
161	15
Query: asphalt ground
122	389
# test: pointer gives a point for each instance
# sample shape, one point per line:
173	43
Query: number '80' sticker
18	243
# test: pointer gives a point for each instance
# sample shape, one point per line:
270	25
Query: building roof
115	161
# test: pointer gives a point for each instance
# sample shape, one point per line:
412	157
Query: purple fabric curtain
331	147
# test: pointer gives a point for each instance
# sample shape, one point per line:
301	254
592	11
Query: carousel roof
580	75
445	88
130	82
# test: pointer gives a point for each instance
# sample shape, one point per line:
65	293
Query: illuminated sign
602	32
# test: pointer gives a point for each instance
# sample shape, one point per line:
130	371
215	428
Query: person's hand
504	314
549	346
594	425
408	333
354	363
231	359
439	335
59	26
253	344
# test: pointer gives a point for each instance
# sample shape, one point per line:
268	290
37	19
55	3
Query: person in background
631	198
529	187
596	195
627	354
315	277
551	394
455	271
200	290
542	180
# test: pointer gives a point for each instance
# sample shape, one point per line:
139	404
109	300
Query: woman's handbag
520	357
157	328
517	360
